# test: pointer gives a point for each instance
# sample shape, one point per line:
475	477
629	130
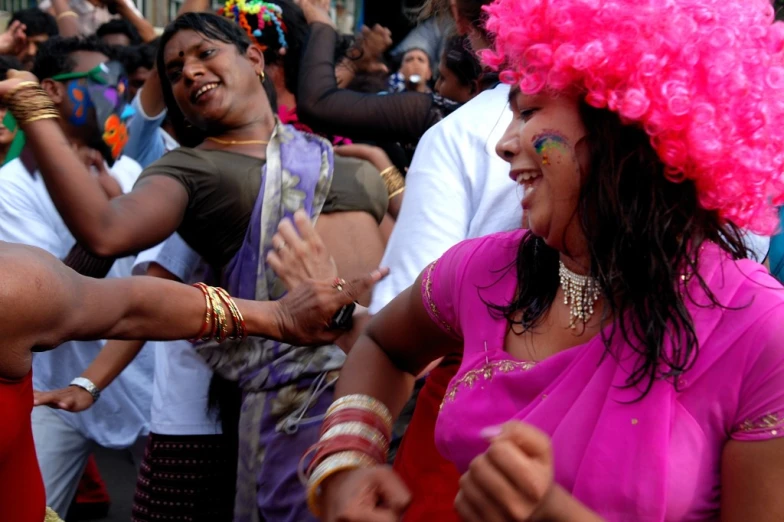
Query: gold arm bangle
222	332
397	192
387	171
48	116
22	85
393	180
66	14
333	464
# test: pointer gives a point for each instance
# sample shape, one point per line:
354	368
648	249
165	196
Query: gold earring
262	77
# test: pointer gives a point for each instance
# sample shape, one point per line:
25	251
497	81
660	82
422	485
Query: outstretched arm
114	357
108	228
48	304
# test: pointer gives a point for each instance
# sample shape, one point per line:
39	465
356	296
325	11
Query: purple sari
285	388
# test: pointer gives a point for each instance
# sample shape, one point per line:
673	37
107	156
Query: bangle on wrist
88	386
66	14
394	181
28	103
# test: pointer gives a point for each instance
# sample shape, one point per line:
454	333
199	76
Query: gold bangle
362	402
48	116
236	315
393	180
387	171
18	87
344	461
66	14
28	102
397	192
222	332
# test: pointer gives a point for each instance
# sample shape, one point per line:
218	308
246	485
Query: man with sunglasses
89	92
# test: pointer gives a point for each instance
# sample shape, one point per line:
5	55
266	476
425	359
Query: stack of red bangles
355	434
215	325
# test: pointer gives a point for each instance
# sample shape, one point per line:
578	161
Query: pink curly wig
704	78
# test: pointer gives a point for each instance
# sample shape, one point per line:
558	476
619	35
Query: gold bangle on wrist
18	87
393	180
66	14
344	461
28	102
397	192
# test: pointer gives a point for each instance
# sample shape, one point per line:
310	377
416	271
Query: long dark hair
644	233
213	27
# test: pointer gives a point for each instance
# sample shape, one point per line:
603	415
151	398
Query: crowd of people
522	263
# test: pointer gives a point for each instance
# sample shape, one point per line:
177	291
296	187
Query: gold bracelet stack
28	102
356	433
215	325
394	181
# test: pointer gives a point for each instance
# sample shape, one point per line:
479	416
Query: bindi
181	54
550	142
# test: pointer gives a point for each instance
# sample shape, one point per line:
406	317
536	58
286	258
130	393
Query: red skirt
432	480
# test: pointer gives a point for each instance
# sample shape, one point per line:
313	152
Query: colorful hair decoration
703	78
267	15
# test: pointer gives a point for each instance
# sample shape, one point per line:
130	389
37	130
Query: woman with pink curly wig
622	360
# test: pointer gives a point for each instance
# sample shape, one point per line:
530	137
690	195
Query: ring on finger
338	284
280	246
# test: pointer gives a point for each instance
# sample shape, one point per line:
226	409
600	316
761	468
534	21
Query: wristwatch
87	384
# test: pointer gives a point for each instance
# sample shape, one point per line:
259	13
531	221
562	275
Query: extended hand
364	495
512	480
300	253
305	314
14	39
72	398
375	41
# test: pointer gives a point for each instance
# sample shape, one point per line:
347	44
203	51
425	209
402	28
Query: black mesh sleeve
327	109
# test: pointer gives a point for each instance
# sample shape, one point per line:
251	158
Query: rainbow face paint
101	93
80	99
550	143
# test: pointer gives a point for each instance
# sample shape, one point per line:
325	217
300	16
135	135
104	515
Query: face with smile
544	145
210	80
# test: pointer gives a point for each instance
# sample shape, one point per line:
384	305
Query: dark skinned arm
386	358
107	228
751	478
48	303
110	362
67	25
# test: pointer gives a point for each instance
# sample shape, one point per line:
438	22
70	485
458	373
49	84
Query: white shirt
457	188
28	216
182	379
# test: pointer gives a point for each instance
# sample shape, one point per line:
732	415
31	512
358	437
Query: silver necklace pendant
580	294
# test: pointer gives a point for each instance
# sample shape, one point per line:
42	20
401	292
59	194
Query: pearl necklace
580	294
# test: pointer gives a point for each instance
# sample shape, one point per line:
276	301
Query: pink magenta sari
657	459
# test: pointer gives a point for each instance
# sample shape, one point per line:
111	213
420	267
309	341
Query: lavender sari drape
272	375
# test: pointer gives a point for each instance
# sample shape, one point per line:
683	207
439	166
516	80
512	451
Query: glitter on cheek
550	143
